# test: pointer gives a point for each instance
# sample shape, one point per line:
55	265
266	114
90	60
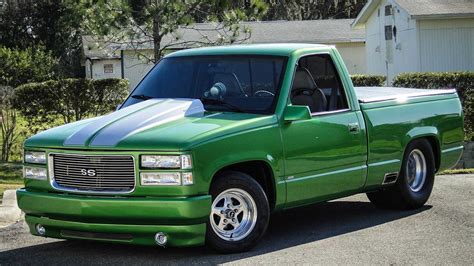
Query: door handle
353	128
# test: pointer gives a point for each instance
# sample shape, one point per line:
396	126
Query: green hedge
463	82
360	80
68	99
110	93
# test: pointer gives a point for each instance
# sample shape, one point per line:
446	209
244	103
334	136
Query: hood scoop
109	130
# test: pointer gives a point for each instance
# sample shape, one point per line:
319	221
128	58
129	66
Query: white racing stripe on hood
80	137
157	114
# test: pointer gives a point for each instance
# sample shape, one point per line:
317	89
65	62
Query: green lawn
457	171
10	177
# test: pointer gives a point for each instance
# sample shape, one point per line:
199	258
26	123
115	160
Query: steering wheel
263	93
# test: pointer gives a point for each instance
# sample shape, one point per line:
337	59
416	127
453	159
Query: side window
317	85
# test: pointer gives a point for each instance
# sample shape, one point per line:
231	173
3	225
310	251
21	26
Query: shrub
463	82
69	99
368	80
108	94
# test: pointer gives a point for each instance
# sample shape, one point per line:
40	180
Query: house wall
136	66
420	45
98	68
447	45
375	53
354	56
391	57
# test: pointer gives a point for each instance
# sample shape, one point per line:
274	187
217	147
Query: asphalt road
347	231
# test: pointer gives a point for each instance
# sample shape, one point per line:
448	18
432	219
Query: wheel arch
260	170
431	134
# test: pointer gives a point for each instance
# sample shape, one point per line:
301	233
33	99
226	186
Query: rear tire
239	213
415	181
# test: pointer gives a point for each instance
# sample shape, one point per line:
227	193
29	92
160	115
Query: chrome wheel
416	170
233	214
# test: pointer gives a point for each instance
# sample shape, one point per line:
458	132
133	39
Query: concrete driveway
347	231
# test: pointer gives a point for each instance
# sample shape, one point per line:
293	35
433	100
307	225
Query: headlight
166	161
35	157
156	179
34	173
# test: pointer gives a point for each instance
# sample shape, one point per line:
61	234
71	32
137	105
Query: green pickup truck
213	140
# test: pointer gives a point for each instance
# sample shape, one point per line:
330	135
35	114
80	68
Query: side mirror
296	113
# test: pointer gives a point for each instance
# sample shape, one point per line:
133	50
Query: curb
9	210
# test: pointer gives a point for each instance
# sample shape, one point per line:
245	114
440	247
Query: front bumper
117	219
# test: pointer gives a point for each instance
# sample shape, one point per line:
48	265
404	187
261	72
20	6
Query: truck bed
378	94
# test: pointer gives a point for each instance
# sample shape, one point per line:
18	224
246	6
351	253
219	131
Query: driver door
325	156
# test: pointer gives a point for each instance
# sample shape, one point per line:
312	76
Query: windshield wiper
141	97
213	101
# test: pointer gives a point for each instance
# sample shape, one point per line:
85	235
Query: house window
108	68
388	10
388	33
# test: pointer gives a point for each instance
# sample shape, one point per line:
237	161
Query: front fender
261	144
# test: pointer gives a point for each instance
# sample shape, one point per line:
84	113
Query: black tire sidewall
417	199
233	179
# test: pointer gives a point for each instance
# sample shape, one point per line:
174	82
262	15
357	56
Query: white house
417	36
122	61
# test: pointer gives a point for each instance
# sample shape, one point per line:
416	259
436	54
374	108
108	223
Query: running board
390	178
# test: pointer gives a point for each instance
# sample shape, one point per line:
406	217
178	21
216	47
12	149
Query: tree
143	21
313	9
22	66
55	25
18	67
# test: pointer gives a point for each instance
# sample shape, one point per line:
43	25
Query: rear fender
427	132
420	132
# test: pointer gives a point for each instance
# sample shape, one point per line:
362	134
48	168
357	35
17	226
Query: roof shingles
306	31
421	9
437	7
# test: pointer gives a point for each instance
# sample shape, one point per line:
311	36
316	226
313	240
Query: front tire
239	213
415	181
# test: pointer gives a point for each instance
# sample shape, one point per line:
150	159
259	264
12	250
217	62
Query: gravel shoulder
346	231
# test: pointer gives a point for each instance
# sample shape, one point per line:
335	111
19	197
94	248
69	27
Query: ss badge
88	172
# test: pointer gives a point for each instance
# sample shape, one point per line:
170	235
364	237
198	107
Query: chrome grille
87	173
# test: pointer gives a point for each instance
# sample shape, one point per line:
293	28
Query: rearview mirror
296	113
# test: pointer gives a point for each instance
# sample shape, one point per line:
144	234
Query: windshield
244	83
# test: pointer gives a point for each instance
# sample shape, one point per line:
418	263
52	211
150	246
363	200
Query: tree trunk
156	38
8	125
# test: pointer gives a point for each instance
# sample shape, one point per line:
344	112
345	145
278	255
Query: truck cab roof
275	49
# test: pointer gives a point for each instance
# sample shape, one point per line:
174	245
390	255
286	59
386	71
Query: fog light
40	229
161	238
160	178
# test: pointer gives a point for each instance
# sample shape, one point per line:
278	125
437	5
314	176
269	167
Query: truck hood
156	124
